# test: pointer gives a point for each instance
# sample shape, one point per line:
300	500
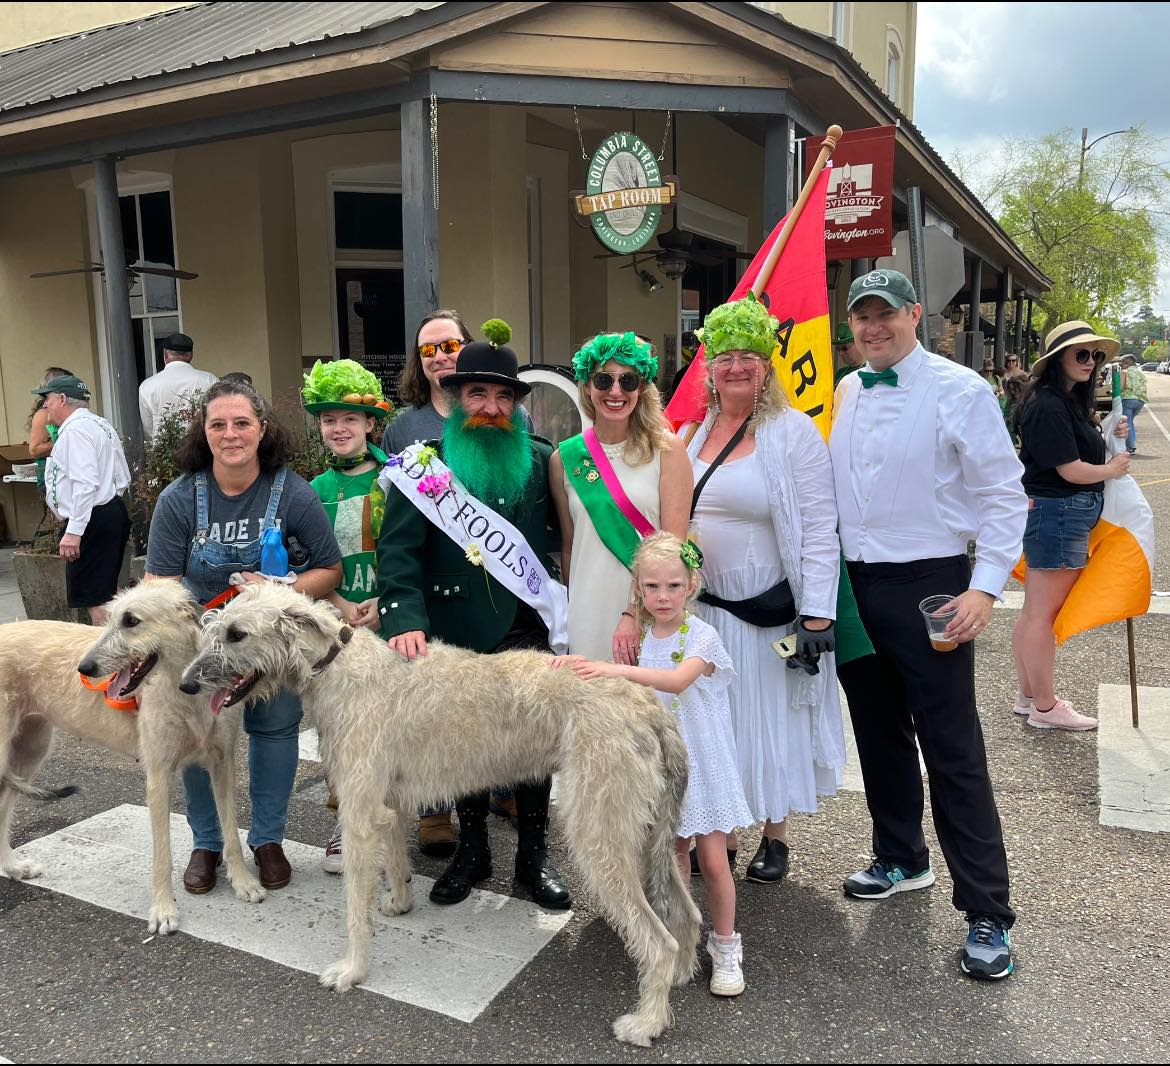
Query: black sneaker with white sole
883	880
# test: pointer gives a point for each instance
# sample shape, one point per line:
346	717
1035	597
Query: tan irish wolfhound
397	735
151	634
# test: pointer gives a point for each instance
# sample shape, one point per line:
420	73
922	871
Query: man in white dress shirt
175	384
85	477
923	463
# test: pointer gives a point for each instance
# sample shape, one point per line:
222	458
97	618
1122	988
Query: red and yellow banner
797	294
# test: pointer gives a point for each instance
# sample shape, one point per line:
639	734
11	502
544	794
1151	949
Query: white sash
506	555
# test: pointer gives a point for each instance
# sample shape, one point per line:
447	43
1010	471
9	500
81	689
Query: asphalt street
828	978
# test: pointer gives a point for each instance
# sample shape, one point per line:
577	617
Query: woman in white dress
615	374
767	515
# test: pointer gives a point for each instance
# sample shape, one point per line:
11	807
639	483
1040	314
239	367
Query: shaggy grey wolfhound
151	634
397	735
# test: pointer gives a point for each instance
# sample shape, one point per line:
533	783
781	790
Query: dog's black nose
189	687
87	667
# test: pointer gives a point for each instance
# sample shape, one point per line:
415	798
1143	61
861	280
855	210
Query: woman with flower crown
766	517
620	480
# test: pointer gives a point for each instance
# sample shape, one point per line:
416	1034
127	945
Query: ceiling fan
133	272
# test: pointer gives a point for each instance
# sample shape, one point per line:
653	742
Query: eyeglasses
629	382
1012	361
449	347
748	360
1084	356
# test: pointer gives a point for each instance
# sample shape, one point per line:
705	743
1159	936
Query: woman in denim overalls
229	441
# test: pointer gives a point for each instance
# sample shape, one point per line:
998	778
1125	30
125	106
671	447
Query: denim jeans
272	762
1131	408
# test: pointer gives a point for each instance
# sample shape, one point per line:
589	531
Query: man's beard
493	462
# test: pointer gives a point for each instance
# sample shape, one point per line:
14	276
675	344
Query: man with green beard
430	586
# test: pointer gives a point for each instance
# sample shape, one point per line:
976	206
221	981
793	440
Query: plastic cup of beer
937	621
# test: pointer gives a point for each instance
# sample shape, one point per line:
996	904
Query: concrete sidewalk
11	605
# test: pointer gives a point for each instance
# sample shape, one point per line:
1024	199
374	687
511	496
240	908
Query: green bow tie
886	377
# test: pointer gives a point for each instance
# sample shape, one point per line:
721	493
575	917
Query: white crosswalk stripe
454	960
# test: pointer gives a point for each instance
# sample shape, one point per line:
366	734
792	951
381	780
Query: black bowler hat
179	342
489	361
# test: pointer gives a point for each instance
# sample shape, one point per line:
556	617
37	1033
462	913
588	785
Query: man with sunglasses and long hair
1065	471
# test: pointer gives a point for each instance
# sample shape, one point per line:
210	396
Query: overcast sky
987	71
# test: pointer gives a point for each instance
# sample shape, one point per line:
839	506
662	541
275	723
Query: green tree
1094	222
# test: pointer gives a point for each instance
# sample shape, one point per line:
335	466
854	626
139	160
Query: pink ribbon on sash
635	517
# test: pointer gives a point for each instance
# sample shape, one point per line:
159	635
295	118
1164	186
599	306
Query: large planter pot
41	580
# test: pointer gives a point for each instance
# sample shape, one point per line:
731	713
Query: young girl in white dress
684	660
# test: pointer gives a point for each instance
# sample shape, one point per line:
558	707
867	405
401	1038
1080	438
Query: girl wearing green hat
348	403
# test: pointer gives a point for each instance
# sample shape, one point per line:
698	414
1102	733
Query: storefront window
148	236
368	285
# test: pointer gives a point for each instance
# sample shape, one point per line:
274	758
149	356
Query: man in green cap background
845	347
85	477
922	465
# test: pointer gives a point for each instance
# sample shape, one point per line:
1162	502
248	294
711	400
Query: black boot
771	862
473	859
533	868
731	854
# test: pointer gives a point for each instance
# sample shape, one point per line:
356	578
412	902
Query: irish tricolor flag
797	294
1116	583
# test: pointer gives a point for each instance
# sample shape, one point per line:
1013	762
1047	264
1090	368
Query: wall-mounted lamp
649	280
956	315
673	264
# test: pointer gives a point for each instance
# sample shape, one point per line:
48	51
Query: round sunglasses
629	382
449	347
1084	356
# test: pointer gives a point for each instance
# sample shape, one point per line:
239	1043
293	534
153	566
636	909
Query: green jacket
426	583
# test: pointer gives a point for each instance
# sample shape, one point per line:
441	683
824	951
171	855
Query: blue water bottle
273	556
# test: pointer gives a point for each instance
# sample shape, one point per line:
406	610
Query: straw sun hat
1082	335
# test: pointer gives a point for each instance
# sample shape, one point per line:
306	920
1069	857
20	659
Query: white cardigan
803	503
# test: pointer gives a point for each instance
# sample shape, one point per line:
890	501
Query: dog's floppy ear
311	616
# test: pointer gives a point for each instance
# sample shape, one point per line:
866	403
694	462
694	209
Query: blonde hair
649	432
772	401
660	547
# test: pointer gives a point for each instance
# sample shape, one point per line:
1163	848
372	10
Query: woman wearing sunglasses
1065	471
626	476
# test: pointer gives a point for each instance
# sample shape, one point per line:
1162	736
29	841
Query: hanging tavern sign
624	193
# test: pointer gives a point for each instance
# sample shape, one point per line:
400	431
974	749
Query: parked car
1150	366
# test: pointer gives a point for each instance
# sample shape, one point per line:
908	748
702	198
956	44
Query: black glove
813	642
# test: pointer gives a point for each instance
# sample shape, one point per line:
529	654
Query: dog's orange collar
129	705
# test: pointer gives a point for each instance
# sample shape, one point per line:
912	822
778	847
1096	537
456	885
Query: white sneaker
331	864
1023	704
726	964
1061	716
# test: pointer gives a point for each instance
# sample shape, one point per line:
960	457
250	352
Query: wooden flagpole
1133	700
832	135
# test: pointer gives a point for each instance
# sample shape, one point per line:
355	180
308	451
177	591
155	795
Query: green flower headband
620	347
740	326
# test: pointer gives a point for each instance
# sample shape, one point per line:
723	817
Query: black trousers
92	578
907	691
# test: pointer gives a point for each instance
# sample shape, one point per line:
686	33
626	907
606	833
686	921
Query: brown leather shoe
436	835
275	871
199	877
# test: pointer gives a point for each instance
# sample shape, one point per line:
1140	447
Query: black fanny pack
772	607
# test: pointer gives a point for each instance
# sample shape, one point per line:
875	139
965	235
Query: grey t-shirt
412	425
237	520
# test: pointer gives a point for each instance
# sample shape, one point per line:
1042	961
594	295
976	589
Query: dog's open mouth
126	680
233	693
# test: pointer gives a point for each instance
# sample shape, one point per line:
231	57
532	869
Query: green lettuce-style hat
739	326
343	385
621	348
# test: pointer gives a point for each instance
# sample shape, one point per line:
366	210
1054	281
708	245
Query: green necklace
677	656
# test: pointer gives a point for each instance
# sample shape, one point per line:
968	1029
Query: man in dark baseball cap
66	385
178	342
893	287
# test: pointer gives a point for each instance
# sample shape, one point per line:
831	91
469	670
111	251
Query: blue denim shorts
1057	534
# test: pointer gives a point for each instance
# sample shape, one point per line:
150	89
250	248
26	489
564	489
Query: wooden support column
1001	299
124	417
1018	341
974	293
420	220
779	164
